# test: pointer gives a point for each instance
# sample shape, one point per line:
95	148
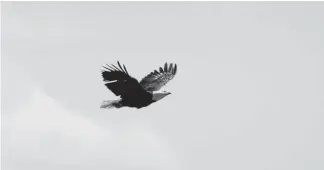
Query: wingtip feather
161	70
121	68
125	69
166	67
175	69
170	68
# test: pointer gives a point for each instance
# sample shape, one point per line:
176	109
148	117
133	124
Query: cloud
44	135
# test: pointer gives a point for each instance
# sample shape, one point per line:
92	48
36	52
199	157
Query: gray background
248	94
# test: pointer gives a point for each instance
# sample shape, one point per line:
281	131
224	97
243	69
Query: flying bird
133	93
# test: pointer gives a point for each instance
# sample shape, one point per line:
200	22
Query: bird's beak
169	92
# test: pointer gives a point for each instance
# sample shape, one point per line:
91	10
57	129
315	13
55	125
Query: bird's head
158	95
166	92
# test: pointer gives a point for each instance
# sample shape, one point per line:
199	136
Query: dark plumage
133	93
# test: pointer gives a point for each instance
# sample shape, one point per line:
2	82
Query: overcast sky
248	94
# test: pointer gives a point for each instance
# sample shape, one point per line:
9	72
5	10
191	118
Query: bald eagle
133	93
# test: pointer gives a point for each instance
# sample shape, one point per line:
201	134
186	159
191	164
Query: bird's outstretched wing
120	82
158	78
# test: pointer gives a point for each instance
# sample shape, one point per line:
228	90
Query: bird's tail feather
111	104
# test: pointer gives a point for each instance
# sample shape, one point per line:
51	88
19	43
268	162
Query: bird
134	93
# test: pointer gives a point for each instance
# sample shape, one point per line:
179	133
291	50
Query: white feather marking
113	81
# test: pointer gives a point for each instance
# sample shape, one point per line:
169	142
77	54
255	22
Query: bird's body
133	93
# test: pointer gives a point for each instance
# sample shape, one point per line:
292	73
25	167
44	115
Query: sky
248	93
